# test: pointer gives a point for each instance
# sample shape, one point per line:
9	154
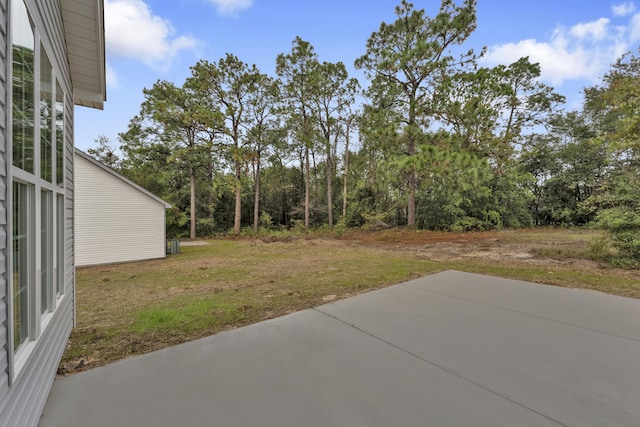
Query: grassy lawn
130	309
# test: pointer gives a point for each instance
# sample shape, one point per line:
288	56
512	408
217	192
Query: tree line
432	141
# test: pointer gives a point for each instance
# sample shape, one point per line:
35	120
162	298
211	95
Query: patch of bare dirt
510	246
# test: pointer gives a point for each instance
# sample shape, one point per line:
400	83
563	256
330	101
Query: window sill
21	358
45	320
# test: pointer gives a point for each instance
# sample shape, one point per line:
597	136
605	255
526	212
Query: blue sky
575	41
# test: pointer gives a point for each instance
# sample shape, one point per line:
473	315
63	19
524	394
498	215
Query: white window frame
37	321
23	348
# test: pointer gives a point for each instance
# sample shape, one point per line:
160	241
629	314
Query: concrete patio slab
450	349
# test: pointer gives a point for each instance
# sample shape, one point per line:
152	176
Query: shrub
623	225
266	221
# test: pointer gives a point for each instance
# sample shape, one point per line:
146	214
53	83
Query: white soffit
84	31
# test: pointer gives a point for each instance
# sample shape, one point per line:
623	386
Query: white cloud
112	77
231	7
595	29
133	31
583	52
623	9
634	28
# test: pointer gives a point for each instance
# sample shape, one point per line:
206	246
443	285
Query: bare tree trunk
315	177
238	212
346	174
411	183
306	189
330	189
411	208
192	179
256	199
285	208
411	151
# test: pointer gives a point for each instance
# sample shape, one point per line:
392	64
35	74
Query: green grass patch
548	235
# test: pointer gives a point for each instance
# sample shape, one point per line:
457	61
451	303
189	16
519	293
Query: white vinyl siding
24	390
25	379
115	220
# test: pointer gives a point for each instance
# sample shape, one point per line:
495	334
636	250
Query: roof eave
84	33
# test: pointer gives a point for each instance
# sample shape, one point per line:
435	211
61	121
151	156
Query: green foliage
363	207
614	108
468	224
171	134
569	167
177	222
489	109
298	227
623	224
228	85
266	222
106	153
406	61
600	249
206	227
458	191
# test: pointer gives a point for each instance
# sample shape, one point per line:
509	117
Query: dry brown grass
130	309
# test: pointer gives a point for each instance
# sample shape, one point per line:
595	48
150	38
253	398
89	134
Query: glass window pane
22	274
23	86
46	114
46	252
59	129
60	245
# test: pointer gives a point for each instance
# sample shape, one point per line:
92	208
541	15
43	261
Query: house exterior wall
4	324
25	380
114	220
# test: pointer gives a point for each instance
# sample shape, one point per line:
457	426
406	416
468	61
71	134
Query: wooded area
433	141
